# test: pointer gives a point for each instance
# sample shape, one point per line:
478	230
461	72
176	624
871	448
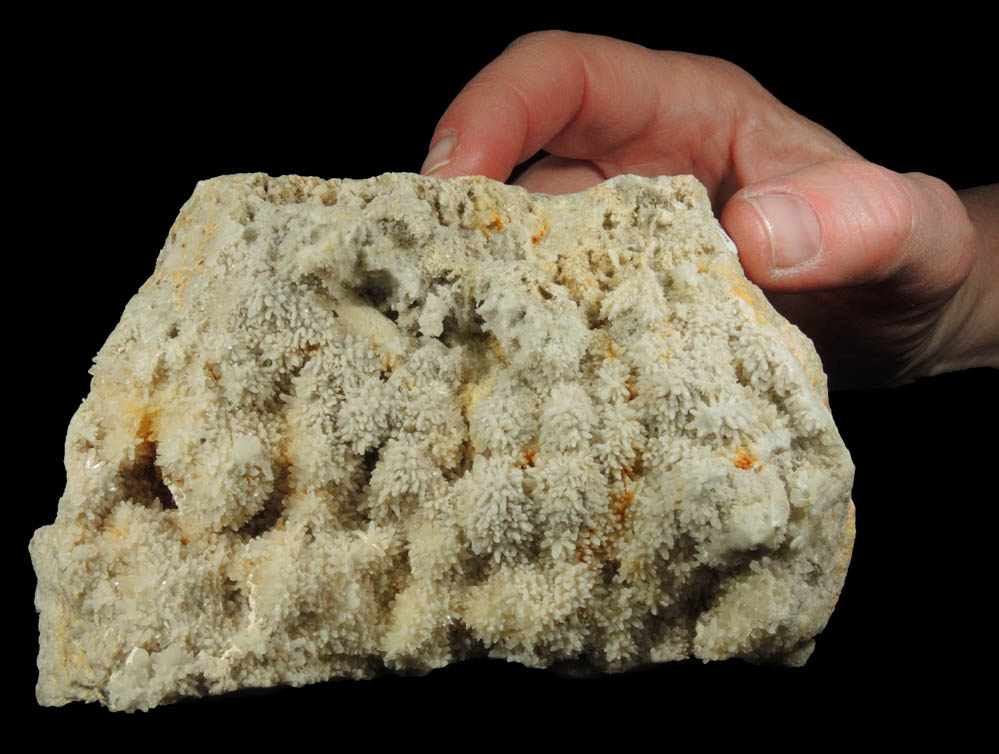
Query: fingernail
440	153
792	226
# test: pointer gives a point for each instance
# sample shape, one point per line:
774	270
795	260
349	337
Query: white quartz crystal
350	427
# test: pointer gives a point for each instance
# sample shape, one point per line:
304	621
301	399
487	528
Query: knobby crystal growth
350	427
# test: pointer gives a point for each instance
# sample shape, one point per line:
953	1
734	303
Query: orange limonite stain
743	460
632	392
497	350
621	503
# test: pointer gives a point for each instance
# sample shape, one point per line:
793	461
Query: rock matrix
356	427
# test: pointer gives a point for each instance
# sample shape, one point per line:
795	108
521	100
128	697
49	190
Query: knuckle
730	69
889	204
726	73
539	39
942	205
919	219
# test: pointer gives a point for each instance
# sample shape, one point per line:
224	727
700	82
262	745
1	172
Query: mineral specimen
350	427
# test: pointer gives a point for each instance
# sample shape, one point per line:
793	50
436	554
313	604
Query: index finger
620	105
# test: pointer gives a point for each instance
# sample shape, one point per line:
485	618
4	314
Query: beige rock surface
354	427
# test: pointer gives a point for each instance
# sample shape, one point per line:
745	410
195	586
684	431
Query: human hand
894	276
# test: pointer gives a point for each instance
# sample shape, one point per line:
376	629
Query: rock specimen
350	427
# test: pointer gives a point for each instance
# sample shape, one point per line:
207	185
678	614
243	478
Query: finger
847	223
559	175
622	106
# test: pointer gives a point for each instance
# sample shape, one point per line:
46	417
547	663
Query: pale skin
894	276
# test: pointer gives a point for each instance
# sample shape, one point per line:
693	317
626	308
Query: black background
118	118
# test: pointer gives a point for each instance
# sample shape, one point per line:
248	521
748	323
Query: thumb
845	223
